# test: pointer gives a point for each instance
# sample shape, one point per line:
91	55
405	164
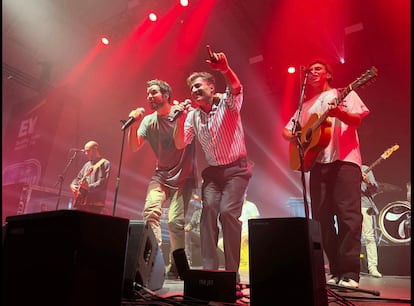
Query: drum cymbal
385	187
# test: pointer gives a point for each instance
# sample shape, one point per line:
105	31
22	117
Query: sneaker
348	282
374	272
333	280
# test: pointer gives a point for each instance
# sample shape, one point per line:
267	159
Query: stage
393	290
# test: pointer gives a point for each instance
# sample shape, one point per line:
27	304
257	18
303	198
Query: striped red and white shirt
220	132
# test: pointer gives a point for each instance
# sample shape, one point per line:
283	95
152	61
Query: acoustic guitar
316	133
81	193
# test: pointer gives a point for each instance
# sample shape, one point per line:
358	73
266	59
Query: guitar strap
98	164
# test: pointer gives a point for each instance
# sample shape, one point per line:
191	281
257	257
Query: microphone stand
296	130
61	178
118	178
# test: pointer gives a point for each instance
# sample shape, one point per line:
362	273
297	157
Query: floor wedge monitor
64	257
286	261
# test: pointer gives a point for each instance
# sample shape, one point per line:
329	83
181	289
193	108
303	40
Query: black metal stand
296	131
118	178
61	177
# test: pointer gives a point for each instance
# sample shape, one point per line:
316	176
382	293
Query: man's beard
157	106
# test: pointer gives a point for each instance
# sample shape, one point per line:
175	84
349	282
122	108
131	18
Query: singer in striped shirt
217	125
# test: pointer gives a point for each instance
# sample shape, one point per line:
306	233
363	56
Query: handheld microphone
131	120
172	117
77	150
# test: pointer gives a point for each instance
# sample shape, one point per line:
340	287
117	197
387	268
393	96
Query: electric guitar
387	153
383	156
316	133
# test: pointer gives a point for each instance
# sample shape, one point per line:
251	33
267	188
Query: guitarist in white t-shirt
90	185
332	155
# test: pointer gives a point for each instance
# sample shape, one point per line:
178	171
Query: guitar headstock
366	78
388	152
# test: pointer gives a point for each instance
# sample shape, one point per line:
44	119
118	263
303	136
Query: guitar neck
369	75
340	98
373	165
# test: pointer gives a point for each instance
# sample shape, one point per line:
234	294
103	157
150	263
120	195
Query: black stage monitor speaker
144	263
211	285
286	262
65	257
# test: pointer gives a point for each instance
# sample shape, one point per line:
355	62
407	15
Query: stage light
342	60
291	70
105	40
152	16
184	2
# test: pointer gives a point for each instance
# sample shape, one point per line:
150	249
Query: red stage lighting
291	70
184	2
152	17
105	40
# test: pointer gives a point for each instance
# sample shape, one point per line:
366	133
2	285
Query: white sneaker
374	272
334	280
349	283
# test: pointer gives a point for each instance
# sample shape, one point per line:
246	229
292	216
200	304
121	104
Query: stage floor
393	290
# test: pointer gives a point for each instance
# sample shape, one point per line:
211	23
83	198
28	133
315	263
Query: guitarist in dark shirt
90	186
335	175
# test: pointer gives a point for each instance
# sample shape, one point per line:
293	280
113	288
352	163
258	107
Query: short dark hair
325	63
204	75
165	88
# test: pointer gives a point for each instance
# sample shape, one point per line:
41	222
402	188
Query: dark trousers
223	191
335	190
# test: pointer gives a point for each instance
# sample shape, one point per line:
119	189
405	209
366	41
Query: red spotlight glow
152	16
105	40
291	69
184	2
175	102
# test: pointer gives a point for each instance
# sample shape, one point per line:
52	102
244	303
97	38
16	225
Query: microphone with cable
172	117
76	150
131	120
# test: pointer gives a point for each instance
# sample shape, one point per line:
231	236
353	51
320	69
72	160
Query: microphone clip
304	69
